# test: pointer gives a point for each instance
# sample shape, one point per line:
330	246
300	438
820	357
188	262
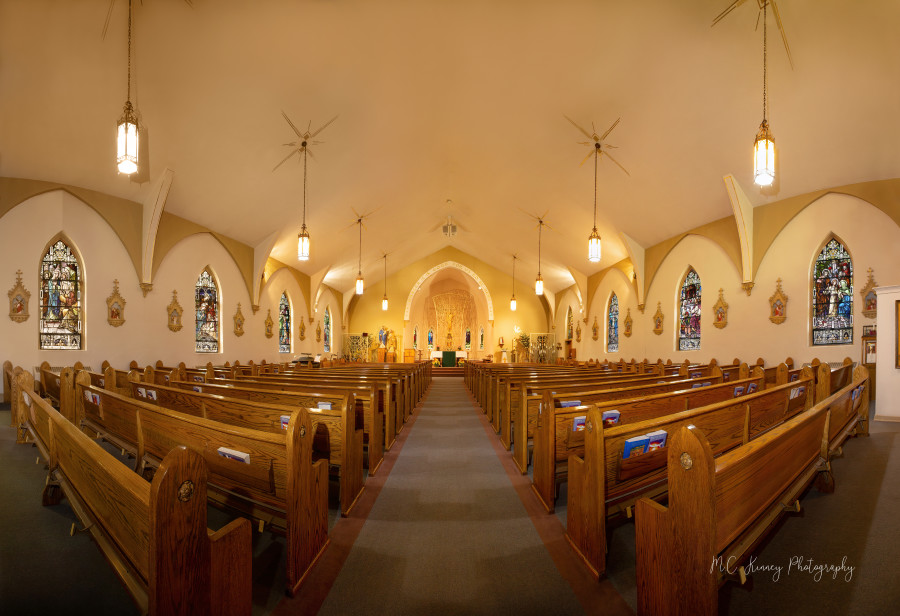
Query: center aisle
448	534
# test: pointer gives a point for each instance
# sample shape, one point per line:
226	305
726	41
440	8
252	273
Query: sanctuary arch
450	300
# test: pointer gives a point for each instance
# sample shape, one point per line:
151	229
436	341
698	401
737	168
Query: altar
448	359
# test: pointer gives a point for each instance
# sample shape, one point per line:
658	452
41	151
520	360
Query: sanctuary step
440	371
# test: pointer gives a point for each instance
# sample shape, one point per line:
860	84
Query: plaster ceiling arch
437	268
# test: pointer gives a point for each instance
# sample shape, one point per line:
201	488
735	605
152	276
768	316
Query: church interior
458	189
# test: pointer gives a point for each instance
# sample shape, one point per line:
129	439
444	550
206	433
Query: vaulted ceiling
450	108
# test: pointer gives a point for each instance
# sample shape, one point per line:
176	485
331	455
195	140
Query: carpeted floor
448	534
448	529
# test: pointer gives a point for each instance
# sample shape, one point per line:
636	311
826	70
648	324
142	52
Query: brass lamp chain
128	97
304	187
596	157
514	275
359	222
540	228
765	102
385	275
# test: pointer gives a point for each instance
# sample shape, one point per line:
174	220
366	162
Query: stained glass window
569	323
689	313
284	325
833	296
468	339
481	339
416	337
430	339
612	325
327	321
60	299
206	305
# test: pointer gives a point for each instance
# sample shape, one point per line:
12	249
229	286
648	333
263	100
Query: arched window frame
689	311
285	316
73	339
612	323
327	340
844	304
416	337
212	342
570	329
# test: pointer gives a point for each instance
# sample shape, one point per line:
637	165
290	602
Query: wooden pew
602	483
285	483
367	401
154	534
344	422
720	508
555	441
59	387
525	414
7	377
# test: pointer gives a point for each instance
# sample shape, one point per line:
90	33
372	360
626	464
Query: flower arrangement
524	340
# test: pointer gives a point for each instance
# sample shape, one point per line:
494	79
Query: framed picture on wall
868	330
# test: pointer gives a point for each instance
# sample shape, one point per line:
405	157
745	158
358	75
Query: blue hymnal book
795	376
198	378
656	440
325	406
233	454
696	385
751	388
695	375
635	446
738	391
569	403
707	383
578	423
610	417
854	394
198	389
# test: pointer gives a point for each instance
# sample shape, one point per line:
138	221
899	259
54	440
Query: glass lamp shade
539	286
512	304
594	246
359	285
127	142
303	244
764	156
384	303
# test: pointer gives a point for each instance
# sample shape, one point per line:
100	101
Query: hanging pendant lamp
384	301
359	278
539	283
594	237
764	145
303	236
127	127
512	301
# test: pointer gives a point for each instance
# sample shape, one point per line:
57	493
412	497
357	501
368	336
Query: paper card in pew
578	423
234	454
151	393
797	392
656	439
325	406
102	382
635	446
738	391
285	420
198	378
142	392
696	385
751	388
795	376
569	403
610	418
198	389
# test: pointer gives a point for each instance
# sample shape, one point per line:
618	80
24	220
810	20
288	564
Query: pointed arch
689	311
207	313
60	303
612	323
831	286
284	324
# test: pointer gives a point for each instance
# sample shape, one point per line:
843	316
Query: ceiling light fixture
303	236
594	237
359	278
764	146
512	301
127	127
539	283
384	301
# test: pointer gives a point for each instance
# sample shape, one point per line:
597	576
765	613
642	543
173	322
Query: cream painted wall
887	379
366	314
614	281
144	337
872	238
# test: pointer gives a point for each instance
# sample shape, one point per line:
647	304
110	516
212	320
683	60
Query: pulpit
379	355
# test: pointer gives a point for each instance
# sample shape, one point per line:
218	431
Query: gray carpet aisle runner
448	533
